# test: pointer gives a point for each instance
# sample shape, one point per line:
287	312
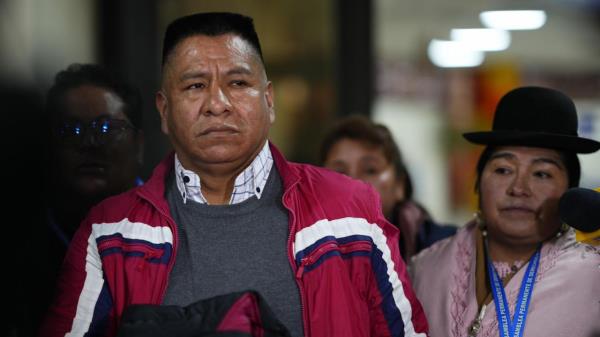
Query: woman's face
366	162
519	192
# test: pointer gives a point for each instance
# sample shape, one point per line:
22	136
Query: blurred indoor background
331	58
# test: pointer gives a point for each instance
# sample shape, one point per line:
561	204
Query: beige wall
40	37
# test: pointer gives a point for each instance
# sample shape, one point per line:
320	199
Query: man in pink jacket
226	212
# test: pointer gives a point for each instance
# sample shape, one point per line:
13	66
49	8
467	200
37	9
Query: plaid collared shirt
250	182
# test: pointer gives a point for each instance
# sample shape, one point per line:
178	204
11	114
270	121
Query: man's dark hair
210	24
361	129
77	75
569	159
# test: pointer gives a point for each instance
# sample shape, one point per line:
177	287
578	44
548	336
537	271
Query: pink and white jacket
565	300
348	267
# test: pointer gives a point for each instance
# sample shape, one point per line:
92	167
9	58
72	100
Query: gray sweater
227	248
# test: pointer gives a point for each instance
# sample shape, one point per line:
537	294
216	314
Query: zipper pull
300	270
140	266
145	260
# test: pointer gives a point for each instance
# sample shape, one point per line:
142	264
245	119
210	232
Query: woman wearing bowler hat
515	270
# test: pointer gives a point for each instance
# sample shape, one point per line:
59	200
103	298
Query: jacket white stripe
344	227
134	230
91	291
94	280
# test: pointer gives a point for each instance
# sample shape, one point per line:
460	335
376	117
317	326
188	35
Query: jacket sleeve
82	303
393	305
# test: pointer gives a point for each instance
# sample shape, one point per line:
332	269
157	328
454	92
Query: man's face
216	104
88	168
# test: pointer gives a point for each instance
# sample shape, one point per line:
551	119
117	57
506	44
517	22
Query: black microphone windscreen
580	209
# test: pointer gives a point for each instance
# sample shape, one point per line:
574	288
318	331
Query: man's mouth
218	130
92	168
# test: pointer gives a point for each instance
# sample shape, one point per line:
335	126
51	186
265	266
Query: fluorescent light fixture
486	39
453	54
513	20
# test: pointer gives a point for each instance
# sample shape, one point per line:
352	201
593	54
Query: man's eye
239	83
196	86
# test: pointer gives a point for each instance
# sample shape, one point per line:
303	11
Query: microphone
580	209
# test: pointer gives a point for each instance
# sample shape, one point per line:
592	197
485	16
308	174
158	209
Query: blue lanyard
516	326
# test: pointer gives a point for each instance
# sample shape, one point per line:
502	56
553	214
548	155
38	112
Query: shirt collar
249	182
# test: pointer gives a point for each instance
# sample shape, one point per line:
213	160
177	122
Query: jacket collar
154	189
286	170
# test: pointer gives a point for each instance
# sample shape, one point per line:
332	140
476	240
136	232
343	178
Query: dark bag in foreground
242	314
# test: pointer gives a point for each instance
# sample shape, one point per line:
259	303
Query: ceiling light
453	54
486	39
513	20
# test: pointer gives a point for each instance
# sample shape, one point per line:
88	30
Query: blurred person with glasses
102	130
95	151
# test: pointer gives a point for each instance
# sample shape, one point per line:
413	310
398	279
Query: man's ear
270	101
162	105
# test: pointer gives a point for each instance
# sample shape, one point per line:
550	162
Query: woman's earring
562	230
480	223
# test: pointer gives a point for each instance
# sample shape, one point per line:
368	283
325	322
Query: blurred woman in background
364	150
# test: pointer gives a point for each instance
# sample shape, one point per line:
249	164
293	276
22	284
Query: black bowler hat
535	117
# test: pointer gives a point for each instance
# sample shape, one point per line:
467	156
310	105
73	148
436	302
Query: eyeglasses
103	130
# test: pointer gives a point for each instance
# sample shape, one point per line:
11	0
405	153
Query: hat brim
534	139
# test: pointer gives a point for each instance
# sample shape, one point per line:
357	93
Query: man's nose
218	101
90	138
